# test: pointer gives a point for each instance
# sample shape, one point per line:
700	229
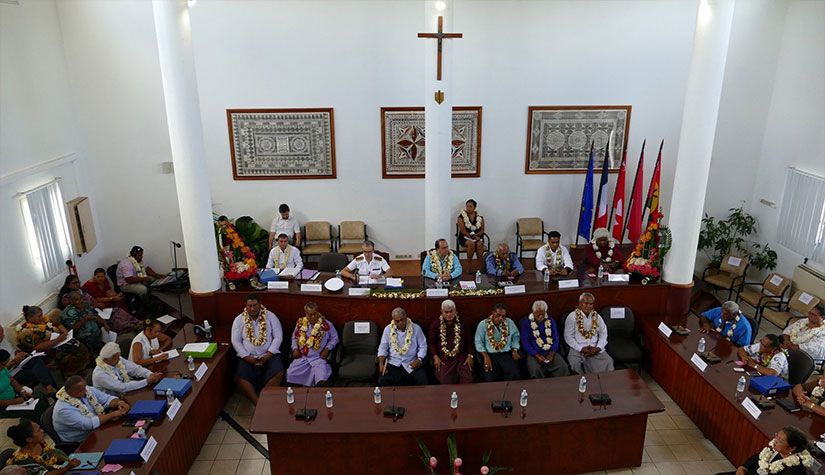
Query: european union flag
586	216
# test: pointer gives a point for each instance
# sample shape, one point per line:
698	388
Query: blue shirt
427	266
514	264
417	349
741	334
70	424
528	340
483	344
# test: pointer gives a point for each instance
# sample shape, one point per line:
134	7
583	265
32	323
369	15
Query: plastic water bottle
191	363
478	277
328	399
338	273
523	399
170	396
376	395
583	385
290	395
454	400
601	272
141	432
740	386
701	348
439	283
546	275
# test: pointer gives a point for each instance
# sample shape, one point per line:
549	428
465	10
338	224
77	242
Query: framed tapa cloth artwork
402	142
274	144
559	137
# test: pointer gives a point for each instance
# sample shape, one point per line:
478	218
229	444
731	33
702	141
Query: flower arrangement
430	462
650	250
415	293
237	259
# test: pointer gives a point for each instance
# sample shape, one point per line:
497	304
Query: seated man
80	409
29	372
767	357
553	256
441	262
504	263
314	337
133	277
729	321
497	341
116	376
452	350
807	334
540	339
257	337
367	264
586	335
401	352
603	250
283	255
283	224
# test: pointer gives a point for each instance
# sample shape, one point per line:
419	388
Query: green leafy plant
762	257
256	237
455	462
719	238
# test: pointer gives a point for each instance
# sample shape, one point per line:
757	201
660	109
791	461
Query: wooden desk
355	435
179	441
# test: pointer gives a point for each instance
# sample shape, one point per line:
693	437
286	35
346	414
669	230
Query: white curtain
48	224
801	218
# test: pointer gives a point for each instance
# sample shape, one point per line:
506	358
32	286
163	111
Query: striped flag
601	201
634	216
652	202
586	214
618	202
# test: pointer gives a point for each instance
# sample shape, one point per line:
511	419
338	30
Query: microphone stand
393	410
602	397
306	414
174	247
503	404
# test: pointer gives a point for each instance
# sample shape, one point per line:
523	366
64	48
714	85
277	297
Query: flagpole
584	188
652	178
630	201
601	188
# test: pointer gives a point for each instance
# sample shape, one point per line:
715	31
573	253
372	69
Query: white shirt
778	363
115	385
814	346
574	338
147	345
377	265
278	259
541	258
288	226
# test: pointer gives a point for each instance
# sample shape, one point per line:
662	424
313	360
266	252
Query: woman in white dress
148	346
807	334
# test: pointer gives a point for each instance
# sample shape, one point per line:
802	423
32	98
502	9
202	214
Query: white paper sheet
806	298
394	282
438	292
699	362
751	408
173	409
200	372
68	337
277	285
311	287
617	313
148	449
173	353
25	406
618	278
166	319
666	330
568	284
105	313
467	284
514	289
195	347
734	261
776	280
358	292
361	328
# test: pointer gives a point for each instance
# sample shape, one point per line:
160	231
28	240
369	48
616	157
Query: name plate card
200	372
438	292
514	289
277	285
699	362
734	261
173	409
806	298
568	284
618	278
467	284
751	408
666	330
359	292
776	280
310	287
617	313
362	328
148	449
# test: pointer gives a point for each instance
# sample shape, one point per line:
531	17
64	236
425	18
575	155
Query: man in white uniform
367	264
586	335
283	224
283	255
554	256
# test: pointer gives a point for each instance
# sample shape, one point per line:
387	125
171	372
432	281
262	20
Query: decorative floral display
414	294
650	250
237	259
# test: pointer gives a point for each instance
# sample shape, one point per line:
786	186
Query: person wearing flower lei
767	357
133	277
400	363
497	341
38	333
553	256
504	263
811	395
603	250
441	262
314	337
33	454
116	376
284	256
729	322
540	339
471	235
786	454
257	337
80	409
586	335
807	334
452	350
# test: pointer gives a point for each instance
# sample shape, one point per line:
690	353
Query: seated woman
767	357
786	454
35	334
811	395
471	235
11	393
117	376
807	334
34	454
84	320
149	344
121	321
603	250
27	371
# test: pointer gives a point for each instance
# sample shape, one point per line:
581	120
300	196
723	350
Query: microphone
306	414
176	244
503	404
393	410
602	397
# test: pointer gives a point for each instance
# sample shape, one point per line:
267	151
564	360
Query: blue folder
770	385
267	275
151	409
179	386
124	450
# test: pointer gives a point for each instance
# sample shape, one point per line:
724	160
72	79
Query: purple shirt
272	343
125	268
528	340
328	341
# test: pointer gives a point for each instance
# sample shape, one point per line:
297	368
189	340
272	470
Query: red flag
637	204
618	202
652	202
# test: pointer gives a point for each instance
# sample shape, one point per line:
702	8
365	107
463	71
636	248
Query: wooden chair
730	275
526	230
801	303
317	237
351	230
459	248
774	288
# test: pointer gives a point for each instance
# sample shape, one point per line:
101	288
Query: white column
704	89
438	126
180	91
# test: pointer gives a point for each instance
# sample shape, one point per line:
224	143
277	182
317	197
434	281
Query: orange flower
245	249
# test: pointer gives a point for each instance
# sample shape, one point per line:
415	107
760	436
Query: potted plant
718	238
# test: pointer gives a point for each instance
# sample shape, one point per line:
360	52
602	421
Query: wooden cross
440	35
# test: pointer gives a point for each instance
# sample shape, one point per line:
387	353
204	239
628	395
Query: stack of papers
166	319
195	347
105	313
54	336
24	406
173	353
288	272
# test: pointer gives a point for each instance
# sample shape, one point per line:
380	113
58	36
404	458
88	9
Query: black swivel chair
754	327
356	358
624	344
332	261
800	366
48	426
131	300
5	456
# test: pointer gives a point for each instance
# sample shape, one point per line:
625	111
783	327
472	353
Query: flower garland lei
502	266
315	335
764	359
48	326
547	343
817	392
250	332
442	331
594	324
62	395
557	262
407	338
467	224
437	267
768	453
610	245
733	327
139	269
48	462
278	253
800	334
121	368
497	345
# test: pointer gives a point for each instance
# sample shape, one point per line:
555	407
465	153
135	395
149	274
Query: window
46	227
802	218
